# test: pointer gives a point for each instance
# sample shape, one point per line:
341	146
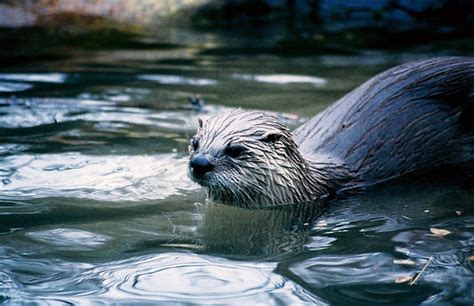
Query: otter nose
200	165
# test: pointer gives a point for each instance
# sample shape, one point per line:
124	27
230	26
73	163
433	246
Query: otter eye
270	137
194	143
234	151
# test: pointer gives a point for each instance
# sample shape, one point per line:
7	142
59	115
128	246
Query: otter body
413	117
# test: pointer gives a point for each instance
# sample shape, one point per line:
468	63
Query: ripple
320	242
117	94
322	271
35	77
35	112
194	278
364	278
170	277
70	238
423	244
109	178
30	112
11	148
14	87
27	279
449	264
176	80
15	206
281	79
6	282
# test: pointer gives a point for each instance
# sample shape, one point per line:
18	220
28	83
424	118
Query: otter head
249	159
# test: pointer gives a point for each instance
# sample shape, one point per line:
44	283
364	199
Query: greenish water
96	206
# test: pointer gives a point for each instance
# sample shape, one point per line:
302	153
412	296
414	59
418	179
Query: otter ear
270	137
200	122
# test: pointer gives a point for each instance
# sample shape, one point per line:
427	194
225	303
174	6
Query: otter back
415	116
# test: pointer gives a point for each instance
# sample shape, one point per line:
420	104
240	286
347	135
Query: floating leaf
439	232
403	279
404	262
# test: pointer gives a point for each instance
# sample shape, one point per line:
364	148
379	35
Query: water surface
96	206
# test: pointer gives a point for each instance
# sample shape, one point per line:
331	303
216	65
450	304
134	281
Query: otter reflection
260	233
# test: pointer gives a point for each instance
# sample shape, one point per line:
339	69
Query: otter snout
200	165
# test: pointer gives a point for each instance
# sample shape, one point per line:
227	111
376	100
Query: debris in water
197	102
403	279
439	232
418	275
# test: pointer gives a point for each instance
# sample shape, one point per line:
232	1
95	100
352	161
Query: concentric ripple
169	277
193	278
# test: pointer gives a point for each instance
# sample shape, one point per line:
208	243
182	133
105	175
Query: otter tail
413	117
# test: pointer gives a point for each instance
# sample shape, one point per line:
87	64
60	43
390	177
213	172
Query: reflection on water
247	233
70	238
14	87
176	80
108	178
281	79
96	206
34	77
168	277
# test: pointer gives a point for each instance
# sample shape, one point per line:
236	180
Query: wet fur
415	116
266	174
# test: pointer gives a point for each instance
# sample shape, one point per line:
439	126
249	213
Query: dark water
96	206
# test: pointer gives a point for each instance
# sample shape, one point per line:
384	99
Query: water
96	206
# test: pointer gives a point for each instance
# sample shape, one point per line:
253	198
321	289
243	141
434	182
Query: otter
413	117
